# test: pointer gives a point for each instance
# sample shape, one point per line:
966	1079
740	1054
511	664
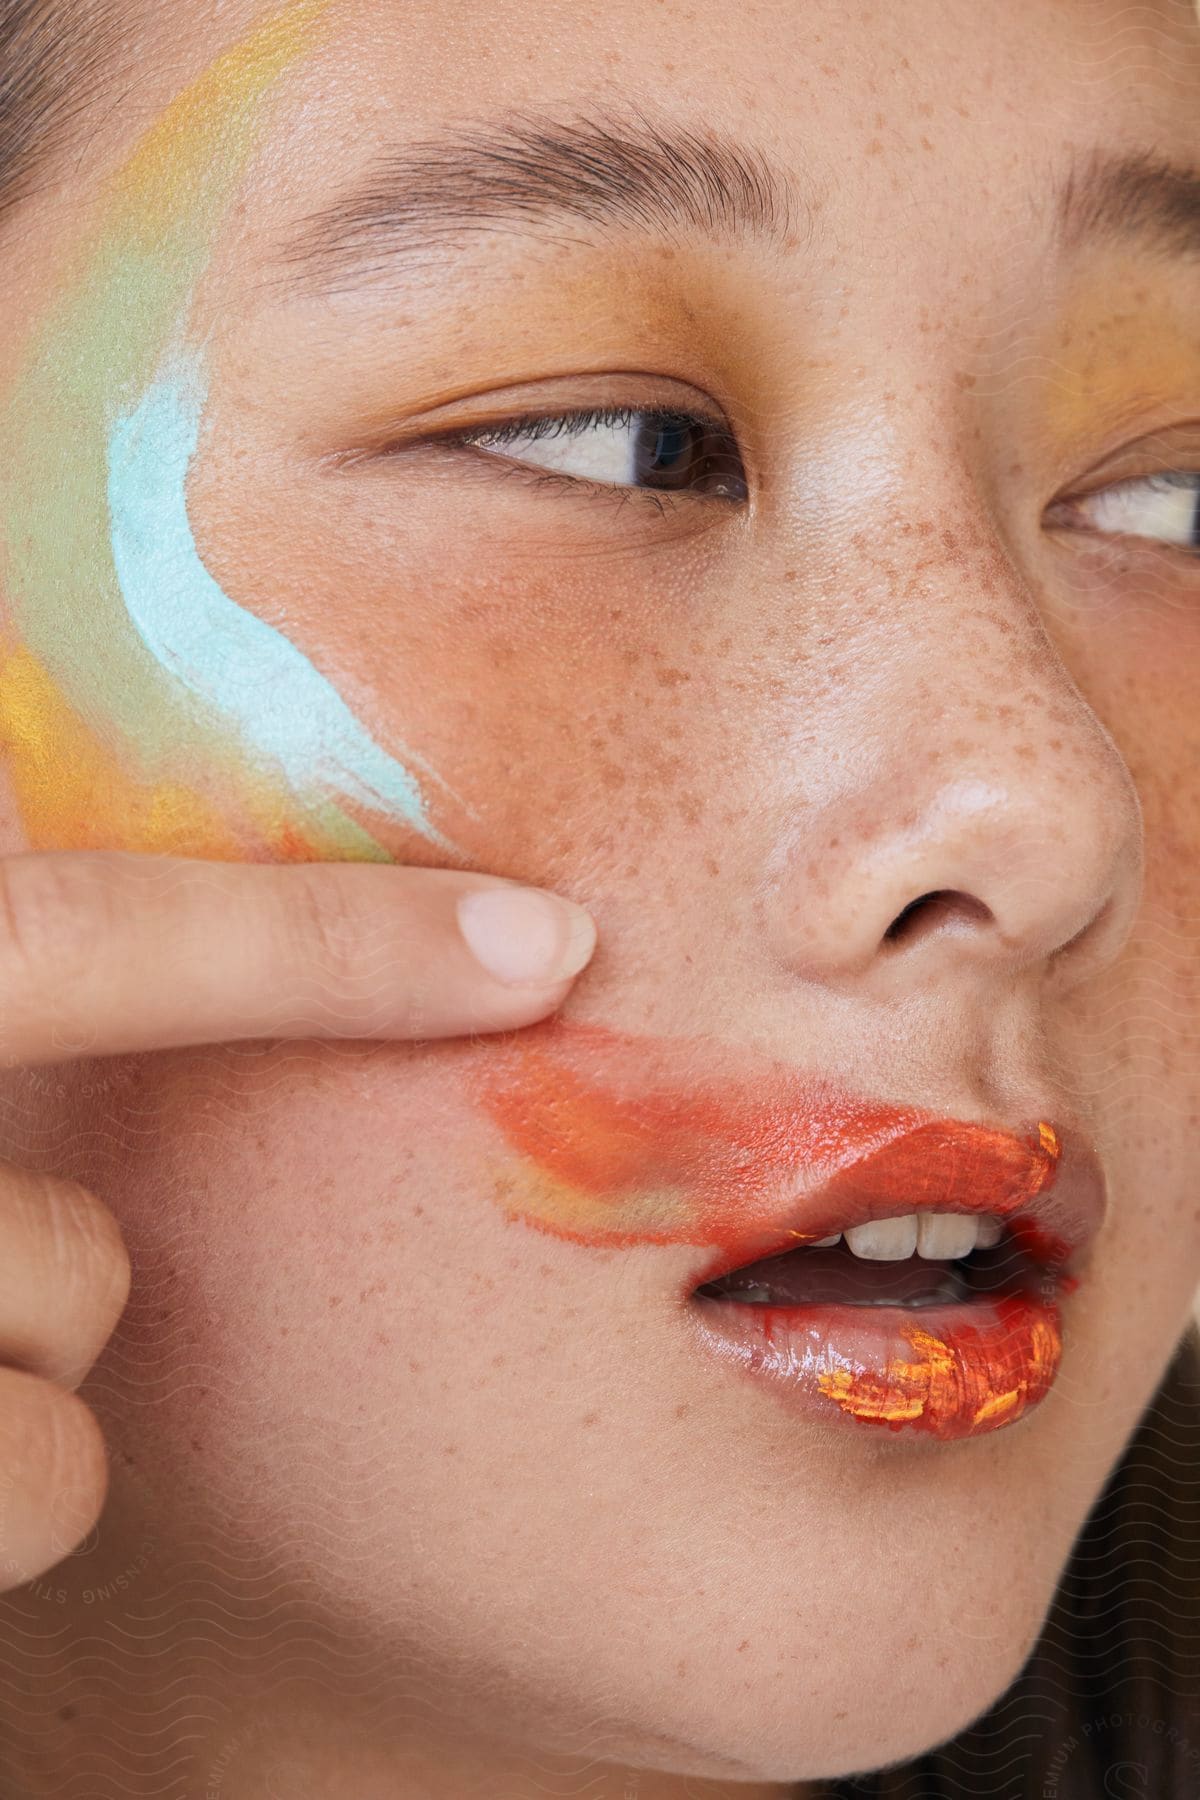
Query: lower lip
948	1371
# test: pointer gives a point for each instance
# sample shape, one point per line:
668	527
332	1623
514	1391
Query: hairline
56	58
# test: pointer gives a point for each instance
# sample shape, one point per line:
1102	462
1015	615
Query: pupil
665	452
678	453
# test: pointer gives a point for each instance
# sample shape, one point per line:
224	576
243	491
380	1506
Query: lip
948	1371
1047	1186
616	1153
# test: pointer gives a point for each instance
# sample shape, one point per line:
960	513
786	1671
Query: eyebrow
1139	197
537	176
605	172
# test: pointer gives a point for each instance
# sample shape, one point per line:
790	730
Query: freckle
590	1418
285	1331
682	1410
744	1645
789	575
925	143
965	381
712	865
874	148
334	1300
670	678
449	1449
499	1361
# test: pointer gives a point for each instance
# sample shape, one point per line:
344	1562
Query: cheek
574	708
322	1217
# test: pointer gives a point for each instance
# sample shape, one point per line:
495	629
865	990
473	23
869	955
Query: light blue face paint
223	657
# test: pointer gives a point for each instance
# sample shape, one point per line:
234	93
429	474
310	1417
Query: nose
979	820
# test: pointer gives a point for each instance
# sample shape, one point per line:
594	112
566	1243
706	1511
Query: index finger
103	953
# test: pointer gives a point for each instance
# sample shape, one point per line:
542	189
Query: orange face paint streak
967	1381
613	1157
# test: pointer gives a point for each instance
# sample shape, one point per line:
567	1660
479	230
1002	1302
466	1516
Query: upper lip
1047	1184
765	1157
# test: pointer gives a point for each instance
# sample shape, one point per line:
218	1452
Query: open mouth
942	1322
935	1259
869	1261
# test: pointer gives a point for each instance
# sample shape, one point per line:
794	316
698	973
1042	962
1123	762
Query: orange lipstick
615	1146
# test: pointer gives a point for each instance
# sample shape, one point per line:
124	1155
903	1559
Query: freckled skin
749	743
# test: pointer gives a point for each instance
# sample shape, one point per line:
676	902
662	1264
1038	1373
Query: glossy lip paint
613	1148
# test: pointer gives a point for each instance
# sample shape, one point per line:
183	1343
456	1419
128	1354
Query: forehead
870	108
777	64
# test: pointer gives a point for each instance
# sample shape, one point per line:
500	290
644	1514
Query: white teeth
938	1237
883	1240
943	1236
824	1243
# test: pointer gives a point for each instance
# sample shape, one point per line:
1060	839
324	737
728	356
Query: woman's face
836	651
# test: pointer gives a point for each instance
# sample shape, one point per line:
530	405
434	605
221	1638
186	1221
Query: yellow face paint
140	706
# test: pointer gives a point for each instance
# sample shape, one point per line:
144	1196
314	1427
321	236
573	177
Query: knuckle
329	926
86	1246
52	1443
45	932
85	1259
74	1472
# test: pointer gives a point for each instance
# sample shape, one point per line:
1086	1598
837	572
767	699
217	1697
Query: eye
652	449
1165	507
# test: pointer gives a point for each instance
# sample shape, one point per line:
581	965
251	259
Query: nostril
929	911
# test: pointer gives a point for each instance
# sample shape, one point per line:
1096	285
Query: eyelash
576	424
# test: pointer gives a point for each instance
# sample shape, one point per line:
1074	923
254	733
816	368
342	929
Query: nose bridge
979	814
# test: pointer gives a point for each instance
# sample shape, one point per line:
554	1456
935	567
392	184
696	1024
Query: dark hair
55	56
1108	1704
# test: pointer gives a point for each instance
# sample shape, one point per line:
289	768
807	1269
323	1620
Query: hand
108	954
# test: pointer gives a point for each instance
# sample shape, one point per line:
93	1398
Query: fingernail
523	936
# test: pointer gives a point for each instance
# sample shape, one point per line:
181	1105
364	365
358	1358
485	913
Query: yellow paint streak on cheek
74	793
564	1211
